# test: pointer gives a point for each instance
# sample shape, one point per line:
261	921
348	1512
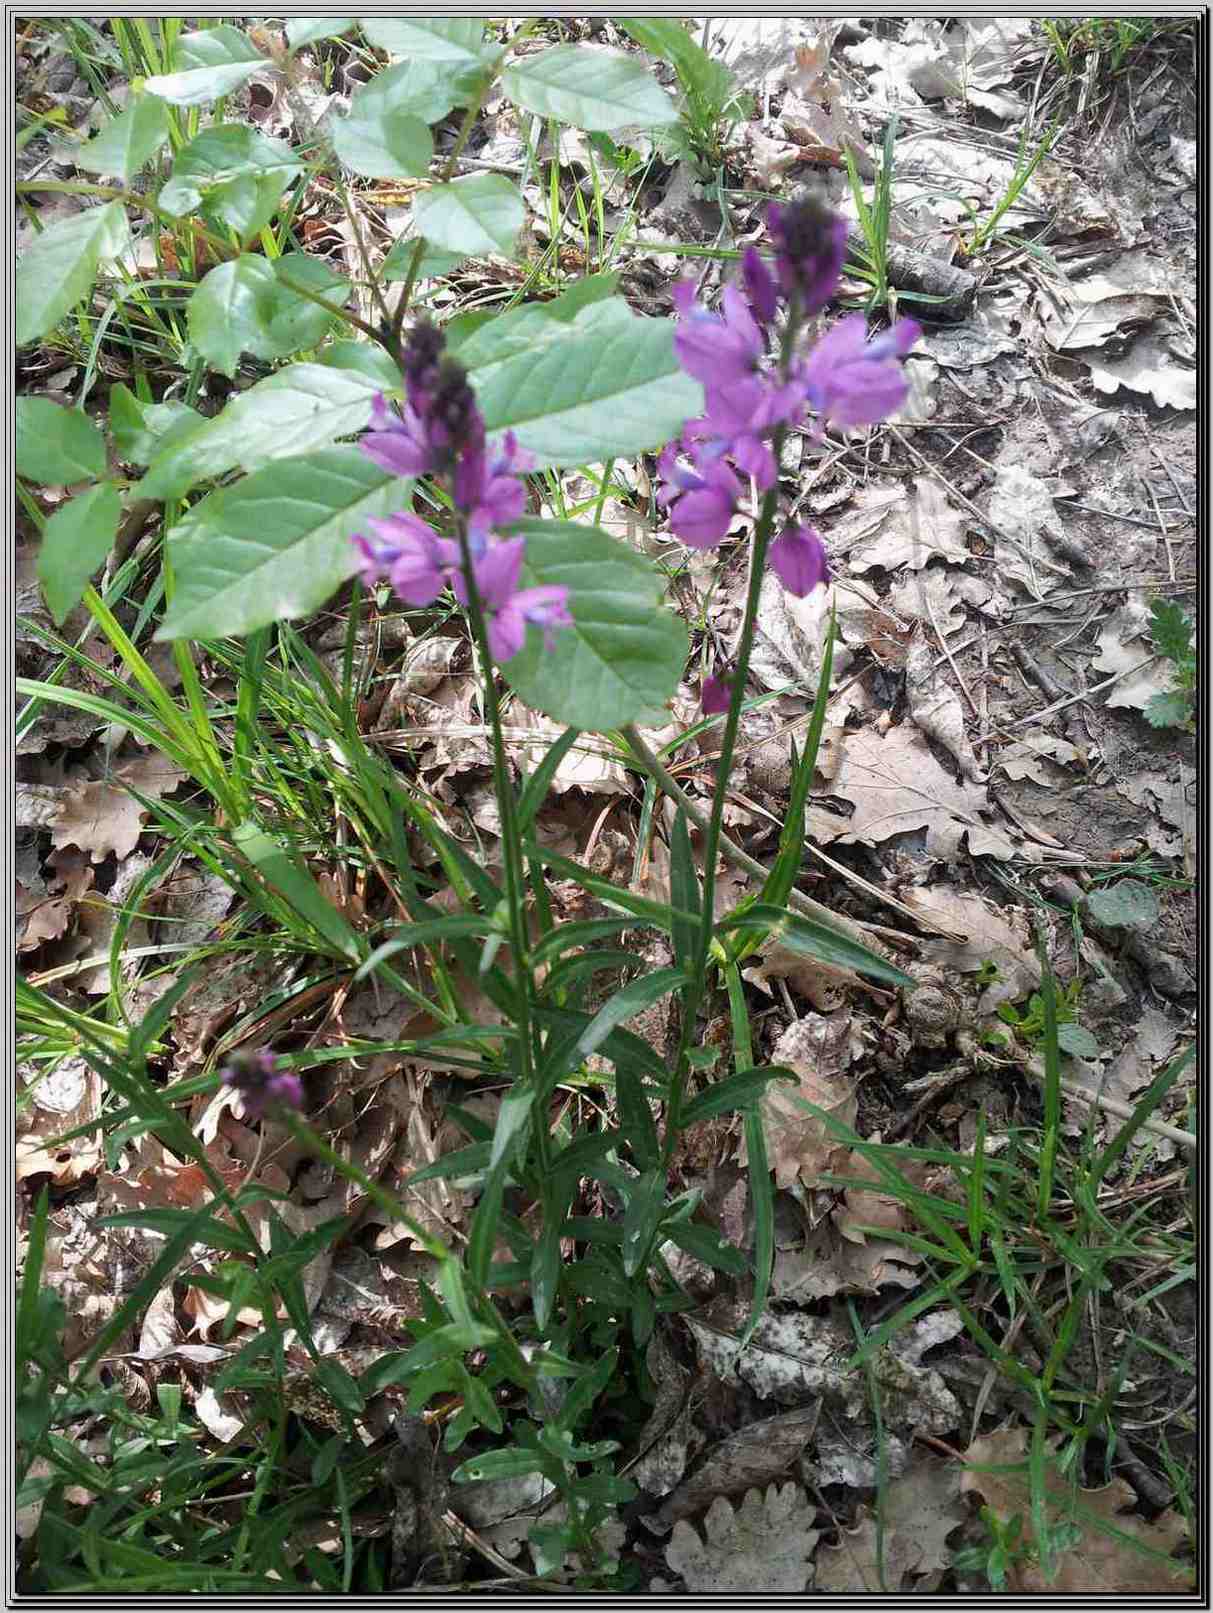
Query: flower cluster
261	1083
845	380
440	432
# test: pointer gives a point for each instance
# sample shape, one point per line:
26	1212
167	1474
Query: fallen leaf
754	1455
1117	1552
103	817
1148	367
897	785
929	596
1021	509
820	1048
765	1545
1031	757
993	937
1125	647
920	1510
882	530
935	708
828	1263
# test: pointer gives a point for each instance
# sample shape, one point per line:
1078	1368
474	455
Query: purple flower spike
853	382
760	285
738	419
714	696
810	246
417	561
701	501
488	488
714	350
508	607
399	443
261	1083
798	559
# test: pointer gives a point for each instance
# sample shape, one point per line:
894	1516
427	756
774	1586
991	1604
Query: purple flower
508	607
761	286
714	350
701	501
798	558
488	489
261	1083
714	696
399	443
738	419
410	554
810	246
853	382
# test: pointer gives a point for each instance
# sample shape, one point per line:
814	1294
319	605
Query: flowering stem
511	844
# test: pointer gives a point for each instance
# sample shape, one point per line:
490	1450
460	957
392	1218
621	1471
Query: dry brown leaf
68	1096
820	1048
754	1455
882	530
935	708
1103	1561
814	982
102	817
921	1509
766	1544
827	1264
897	785
930	596
997	936
1124	646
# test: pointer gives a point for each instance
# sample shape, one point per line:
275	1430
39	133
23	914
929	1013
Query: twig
1059	705
1124	1111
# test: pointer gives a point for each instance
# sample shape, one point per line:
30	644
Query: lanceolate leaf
210	63
590	88
301	407
275	545
817	940
58	269
128	141
625	652
76	540
56	446
296	884
605	384
478	215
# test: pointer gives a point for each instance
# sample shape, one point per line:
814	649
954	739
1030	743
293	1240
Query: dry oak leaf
921	1509
896	785
819	1048
994	936
1117	1552
103	816
756	1454
765	1545
883	531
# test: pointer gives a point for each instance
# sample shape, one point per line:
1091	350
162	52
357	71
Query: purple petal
507	632
714	696
497	573
760	284
798	559
701	519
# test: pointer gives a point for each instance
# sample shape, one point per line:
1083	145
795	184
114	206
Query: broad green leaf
301	407
698	73
383	137
478	215
605	385
296	885
434	261
1077	1041
210	63
522	330
56	446
242	306
1128	903
58	269
589	88
426	89
301	31
128	141
813	939
363	358
275	545
76	540
1170	629
507	1464
233	175
625	653
430	39
142	430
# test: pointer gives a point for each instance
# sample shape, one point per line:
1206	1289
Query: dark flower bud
422	357
455	423
260	1082
810	242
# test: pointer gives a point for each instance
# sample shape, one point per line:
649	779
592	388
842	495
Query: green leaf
242	306
478	216
56	446
623	656
58	269
296	885
628	1001
646	1206
605	385
301	31
706	1244
275	545
434	262
813	939
589	88
141	430
432	39
210	63
734	1092
1170	710
128	141
426	89
384	136
233	175
1129	903
1077	1040
507	1464
76	540
1170	629
684	889
294	411
636	1118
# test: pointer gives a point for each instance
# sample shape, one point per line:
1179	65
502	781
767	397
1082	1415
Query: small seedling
1173	639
